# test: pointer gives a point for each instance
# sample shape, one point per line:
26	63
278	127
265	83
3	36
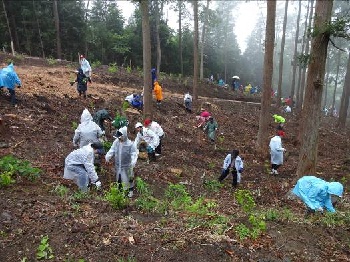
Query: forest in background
61	29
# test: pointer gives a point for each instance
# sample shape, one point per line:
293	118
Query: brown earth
40	129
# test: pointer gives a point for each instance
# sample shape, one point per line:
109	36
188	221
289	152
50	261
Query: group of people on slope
82	164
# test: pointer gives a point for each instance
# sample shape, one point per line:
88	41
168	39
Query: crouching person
79	166
125	157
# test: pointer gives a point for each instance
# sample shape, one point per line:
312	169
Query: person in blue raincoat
317	193
10	79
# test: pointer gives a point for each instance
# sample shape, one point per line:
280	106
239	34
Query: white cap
138	124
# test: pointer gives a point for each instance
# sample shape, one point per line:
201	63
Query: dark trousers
152	156
274	166
159	147
13	96
225	173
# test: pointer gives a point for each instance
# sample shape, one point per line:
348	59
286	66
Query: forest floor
86	227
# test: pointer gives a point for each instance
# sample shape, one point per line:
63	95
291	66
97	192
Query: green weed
142	187
213	185
6	179
128	69
116	197
125	105
147	203
107	145
177	196
112	68
51	61
61	190
44	250
74	125
242	231
95	64
272	214
211	165
245	200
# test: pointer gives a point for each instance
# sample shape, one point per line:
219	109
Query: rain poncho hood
279	119
316	193
124	152
87	131
9	78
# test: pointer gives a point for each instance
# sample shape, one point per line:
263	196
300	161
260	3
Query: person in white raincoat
151	138
188	102
125	157
276	151
317	193
87	131
156	128
79	166
85	66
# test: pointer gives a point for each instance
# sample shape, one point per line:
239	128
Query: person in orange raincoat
158	92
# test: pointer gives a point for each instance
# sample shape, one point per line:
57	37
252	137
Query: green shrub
61	190
213	185
51	61
116	197
15	166
128	69
245	199
6	179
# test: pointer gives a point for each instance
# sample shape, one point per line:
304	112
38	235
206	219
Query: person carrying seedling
149	137
125	158
85	66
79	166
81	81
236	162
210	128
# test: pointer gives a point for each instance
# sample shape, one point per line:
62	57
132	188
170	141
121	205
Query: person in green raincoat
210	128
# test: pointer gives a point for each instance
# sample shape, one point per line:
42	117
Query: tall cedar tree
195	50
344	104
314	87
262	140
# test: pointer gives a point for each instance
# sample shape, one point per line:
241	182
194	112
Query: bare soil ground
40	129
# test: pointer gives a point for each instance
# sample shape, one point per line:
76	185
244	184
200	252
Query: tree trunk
195	50
57	27
295	55
39	31
313	93
8	27
201	73
326	87
180	39
307	47
298	106
13	23
146	40
86	21
344	104
283	41
159	50
263	134
336	82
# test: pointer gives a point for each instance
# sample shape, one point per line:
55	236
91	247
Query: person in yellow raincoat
158	93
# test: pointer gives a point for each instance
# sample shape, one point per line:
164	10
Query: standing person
236	162
10	80
188	102
276	151
158	130
210	128
125	157
81	81
318	194
79	166
100	117
85	66
158	93
87	131
149	137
